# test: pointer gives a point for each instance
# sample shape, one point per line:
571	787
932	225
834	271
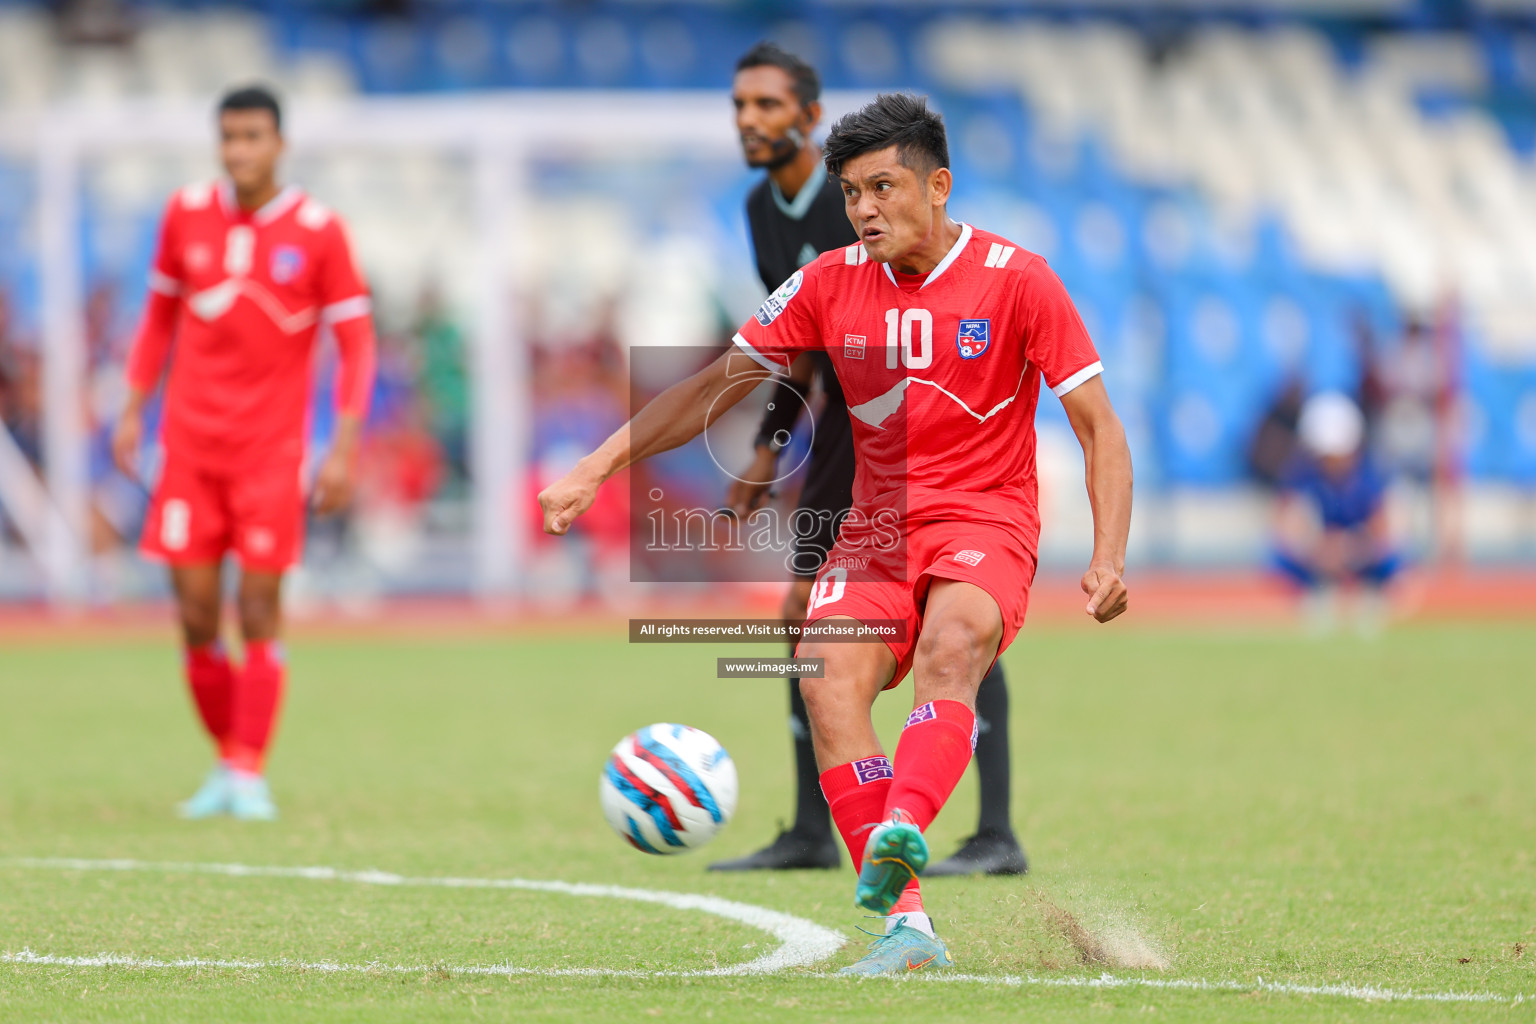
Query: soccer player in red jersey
246	274
942	538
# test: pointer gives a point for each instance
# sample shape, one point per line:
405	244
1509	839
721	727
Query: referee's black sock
992	760
812	817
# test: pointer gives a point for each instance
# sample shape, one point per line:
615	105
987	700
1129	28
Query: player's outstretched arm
1107	459
672	418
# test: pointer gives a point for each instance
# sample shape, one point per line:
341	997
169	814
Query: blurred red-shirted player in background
246	273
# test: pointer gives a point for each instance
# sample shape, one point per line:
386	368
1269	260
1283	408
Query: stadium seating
1228	201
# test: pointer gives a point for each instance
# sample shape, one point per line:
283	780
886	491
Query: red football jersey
252	290
942	372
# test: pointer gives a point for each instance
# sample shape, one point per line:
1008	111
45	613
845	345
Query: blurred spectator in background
18	402
1374	392
118	504
1274	441
581	395
20	386
1413	381
1333	527
444	385
402	467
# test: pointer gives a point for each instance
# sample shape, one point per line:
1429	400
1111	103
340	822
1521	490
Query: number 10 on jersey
909	333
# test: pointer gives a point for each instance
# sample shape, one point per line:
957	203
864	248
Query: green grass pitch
1212	807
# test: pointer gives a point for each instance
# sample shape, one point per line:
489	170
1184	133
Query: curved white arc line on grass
1368	993
802	942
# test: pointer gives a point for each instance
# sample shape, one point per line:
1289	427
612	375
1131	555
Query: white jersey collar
286	199
949	257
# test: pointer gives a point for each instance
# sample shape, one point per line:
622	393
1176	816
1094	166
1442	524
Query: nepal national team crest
974	339
287	263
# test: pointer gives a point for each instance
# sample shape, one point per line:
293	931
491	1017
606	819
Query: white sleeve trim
346	309
766	361
1082	376
163	284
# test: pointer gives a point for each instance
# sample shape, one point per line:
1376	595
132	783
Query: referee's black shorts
826	496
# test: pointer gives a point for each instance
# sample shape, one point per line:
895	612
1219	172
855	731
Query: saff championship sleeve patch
769	311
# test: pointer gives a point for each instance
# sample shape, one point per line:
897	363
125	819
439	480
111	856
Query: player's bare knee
816	691
952	655
260	608
199	619
836	691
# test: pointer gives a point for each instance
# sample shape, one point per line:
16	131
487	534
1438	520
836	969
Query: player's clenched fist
1107	593
565	499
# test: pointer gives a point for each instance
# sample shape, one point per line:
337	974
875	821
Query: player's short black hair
807	83
897	119
253	97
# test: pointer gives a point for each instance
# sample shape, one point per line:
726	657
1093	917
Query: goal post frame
499	133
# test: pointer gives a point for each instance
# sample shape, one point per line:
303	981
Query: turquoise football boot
895	854
211	799
901	951
250	799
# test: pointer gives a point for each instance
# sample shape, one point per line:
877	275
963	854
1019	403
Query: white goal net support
564	215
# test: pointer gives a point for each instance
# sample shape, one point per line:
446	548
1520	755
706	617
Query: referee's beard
782	153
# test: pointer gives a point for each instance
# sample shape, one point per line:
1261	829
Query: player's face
892	207
249	146
769	118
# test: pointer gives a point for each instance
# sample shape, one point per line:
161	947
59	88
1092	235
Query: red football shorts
198	514
993	558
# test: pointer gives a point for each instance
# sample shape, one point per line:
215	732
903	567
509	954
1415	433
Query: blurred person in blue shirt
1333	528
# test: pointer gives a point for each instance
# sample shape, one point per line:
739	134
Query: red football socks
856	792
931	756
909	902
211	679
258	693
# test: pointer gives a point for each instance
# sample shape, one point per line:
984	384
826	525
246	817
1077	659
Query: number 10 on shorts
829	587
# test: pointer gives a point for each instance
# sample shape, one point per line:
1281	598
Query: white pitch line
804	942
1369	993
1366	993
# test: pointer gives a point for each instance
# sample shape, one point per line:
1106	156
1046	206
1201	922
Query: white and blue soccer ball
668	788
